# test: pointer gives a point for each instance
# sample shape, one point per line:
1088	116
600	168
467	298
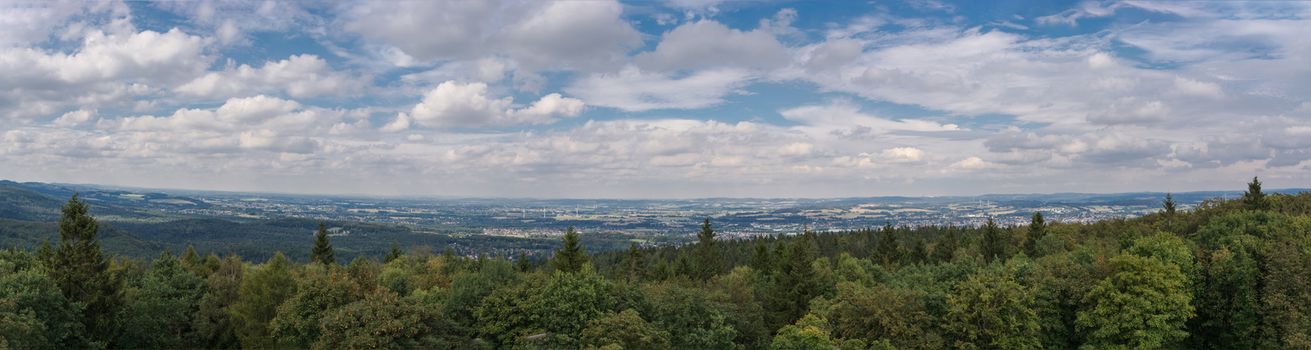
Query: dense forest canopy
1228	274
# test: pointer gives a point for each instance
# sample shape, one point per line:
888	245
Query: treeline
1229	274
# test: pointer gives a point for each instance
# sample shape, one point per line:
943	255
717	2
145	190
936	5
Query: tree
321	292
626	329
898	315
1228	300
993	247
571	256
762	260
809	333
1168	206
990	310
695	318
82	272
945	249
393	254
259	296
1143	304
160	306
384	320
888	251
795	284
34	314
1037	230
1254	199
322	251
708	262
213	322
635	264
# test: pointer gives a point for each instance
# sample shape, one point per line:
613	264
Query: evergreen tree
322	252
707	254
1168	205
521	263
945	249
394	254
992	247
82	272
919	253
888	251
1037	230
1254	199
571	256
636	263
762	260
795	284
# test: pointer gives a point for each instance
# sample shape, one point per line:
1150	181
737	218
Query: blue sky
657	99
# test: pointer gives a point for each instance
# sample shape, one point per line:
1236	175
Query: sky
644	99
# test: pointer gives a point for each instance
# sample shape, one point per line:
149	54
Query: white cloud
297	76
74	118
633	89
561	34
454	104
973	163
709	44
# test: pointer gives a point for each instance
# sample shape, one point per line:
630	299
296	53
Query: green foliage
625	329
808	333
1037	230
881	313
261	292
695	318
383	320
708	262
81	271
322	290
1254	199
322	251
160	306
570	257
993	246
990	310
213	324
33	312
1143	304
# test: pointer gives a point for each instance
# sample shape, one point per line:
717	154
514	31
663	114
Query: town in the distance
507	226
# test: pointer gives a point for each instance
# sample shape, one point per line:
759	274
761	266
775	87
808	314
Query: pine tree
570	257
762	259
1168	205
795	284
82	272
394	254
636	263
522	264
1254	199
1037	229
945	249
322	251
992	246
707	255
888	251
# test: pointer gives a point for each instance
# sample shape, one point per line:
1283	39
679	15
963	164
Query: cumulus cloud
460	105
709	44
297	76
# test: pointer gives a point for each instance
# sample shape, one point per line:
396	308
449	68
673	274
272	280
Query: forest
1227	274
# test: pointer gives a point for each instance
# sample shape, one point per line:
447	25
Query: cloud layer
608	99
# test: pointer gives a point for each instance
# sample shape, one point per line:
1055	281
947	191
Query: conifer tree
945	249
762	259
636	263
707	255
1254	199
1168	205
82	272
394	254
322	251
889	252
1037	229
522	264
570	257
992	246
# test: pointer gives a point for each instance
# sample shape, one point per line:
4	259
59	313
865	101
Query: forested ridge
1227	274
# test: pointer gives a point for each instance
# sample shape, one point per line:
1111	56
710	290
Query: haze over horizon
683	99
